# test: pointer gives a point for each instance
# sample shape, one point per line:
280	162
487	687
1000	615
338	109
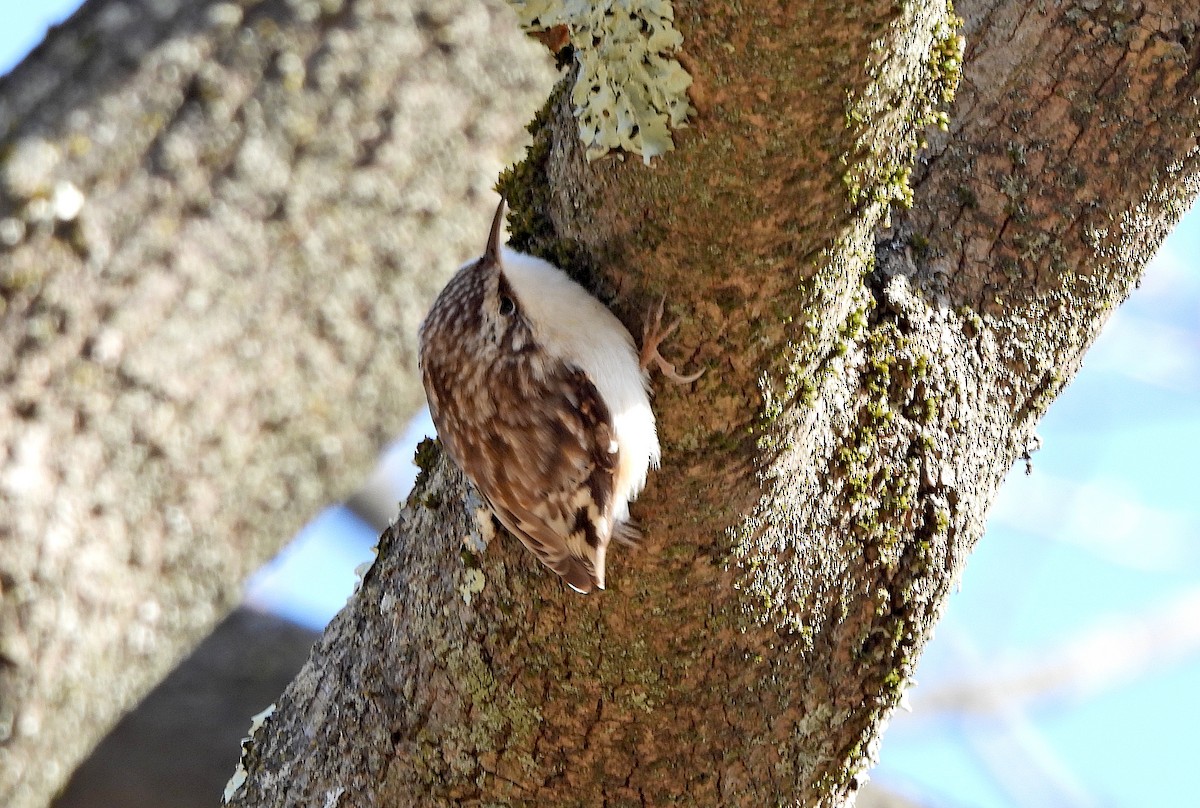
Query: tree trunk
220	225
868	387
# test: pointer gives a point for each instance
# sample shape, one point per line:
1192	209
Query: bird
540	395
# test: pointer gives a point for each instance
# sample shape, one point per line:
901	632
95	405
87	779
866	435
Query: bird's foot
653	335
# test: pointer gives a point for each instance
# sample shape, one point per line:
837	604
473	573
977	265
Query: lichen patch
630	91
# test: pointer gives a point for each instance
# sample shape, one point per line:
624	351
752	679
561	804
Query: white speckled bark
220	224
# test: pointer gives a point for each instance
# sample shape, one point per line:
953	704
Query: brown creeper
539	395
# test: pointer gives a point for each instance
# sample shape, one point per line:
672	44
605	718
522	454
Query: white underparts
571	325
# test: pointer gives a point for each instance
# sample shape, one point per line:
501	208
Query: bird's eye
507	306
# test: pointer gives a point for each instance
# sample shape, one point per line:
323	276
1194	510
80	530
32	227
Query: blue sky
23	23
1089	570
1089	573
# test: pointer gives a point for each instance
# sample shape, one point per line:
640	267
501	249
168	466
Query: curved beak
492	252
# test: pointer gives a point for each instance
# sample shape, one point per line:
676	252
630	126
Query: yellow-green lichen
630	90
473	583
878	170
497	713
425	458
879	477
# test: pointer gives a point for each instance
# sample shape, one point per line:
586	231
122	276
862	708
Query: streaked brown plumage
540	396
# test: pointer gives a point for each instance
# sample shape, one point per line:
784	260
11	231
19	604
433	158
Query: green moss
425	458
426	455
1045	393
854	324
875	482
526	187
469	559
879	471
941	520
878	174
809	364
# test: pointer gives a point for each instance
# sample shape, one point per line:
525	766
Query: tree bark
869	384
867	389
220	225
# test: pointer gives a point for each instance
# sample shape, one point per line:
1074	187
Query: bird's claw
653	335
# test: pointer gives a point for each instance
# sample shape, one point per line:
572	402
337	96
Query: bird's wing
579	571
557	490
537	440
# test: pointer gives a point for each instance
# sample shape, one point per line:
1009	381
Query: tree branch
825	481
220	224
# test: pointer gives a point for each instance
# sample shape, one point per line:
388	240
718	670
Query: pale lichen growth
630	91
28	172
477	543
362	569
473	583
239	776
